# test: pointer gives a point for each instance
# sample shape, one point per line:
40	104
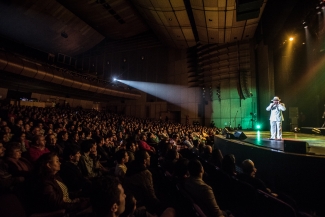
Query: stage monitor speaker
240	135
230	136
298	147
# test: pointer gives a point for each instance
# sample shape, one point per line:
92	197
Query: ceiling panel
228	38
182	18
236	33
188	33
250	30
213	36
199	18
212	19
197	4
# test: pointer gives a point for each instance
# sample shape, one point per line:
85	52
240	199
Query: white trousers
276	129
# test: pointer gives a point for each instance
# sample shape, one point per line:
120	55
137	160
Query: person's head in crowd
21	137
229	164
87	146
143	137
39	141
172	155
181	168
88	134
82	135
49	131
130	146
7	130
165	147
74	136
51	139
63	136
19	122
40	125
27	127
2	149
142	157
72	154
248	167
71	128
36	131
207	149
130	205
100	141
175	137
195	169
217	157
3	123
50	126
108	197
122	156
14	150
201	147
48	165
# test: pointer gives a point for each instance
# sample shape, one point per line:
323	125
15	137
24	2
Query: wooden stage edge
296	143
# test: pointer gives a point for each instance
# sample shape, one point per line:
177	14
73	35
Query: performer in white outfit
276	118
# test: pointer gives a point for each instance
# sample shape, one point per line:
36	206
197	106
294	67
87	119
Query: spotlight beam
168	92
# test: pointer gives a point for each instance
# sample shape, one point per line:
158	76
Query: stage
293	166
315	142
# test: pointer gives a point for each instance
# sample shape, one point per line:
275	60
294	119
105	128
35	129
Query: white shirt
276	111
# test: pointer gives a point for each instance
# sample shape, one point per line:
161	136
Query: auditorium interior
209	68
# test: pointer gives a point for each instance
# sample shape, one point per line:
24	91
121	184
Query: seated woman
52	193
17	165
229	165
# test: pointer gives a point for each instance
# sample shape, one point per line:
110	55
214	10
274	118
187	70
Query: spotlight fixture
305	26
114	79
290	39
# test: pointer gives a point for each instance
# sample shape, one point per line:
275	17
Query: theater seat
270	206
12	207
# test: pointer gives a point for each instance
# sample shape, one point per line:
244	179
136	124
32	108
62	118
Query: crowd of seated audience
82	162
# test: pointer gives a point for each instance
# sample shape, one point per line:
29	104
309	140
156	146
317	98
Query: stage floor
260	138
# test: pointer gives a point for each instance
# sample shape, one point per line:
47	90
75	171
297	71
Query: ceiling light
290	39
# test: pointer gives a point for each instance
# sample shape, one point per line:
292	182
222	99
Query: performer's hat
276	99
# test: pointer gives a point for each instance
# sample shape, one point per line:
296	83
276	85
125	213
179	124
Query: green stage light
258	126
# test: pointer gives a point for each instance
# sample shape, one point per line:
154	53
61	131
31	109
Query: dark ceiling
72	27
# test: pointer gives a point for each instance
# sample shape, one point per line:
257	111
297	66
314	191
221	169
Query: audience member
201	193
108	197
52	193
143	145
88	166
7	181
70	172
38	148
138	180
122	157
17	165
229	165
248	176
53	146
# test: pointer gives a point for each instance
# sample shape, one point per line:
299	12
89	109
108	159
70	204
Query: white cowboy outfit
276	118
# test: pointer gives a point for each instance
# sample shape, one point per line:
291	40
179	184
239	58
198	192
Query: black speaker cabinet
230	136
298	147
240	135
